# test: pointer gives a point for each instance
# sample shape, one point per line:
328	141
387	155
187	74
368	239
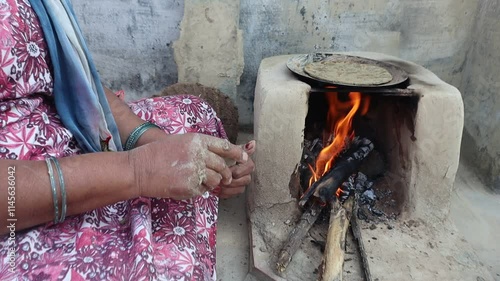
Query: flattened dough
350	73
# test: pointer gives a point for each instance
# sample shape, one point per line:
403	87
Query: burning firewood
326	187
325	191
333	259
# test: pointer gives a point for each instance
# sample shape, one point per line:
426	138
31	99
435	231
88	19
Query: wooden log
297	235
325	189
356	231
333	258
345	166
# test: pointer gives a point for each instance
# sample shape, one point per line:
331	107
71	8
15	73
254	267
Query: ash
370	203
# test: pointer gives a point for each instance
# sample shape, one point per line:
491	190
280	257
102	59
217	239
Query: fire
339	124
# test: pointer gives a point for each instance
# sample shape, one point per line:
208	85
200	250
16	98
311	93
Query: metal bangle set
62	187
136	134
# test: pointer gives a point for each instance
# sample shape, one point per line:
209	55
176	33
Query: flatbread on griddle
348	73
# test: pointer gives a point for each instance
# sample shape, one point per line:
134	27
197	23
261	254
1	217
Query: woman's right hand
183	166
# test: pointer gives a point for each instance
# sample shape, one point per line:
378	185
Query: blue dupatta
78	93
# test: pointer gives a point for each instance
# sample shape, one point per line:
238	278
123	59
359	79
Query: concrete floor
232	240
475	211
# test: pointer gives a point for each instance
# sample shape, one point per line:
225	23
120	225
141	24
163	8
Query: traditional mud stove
393	169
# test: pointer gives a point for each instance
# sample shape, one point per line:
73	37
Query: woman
74	212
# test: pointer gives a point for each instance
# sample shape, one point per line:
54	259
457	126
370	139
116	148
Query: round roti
348	73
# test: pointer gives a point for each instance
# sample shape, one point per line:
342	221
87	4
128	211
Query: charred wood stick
333	258
344	168
356	231
297	235
327	185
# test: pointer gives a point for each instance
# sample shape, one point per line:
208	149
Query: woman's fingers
242	181
225	149
212	181
237	187
233	179
243	169
250	147
216	163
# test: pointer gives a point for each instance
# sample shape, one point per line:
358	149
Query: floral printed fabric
141	239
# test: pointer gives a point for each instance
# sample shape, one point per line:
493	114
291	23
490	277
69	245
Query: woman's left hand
241	175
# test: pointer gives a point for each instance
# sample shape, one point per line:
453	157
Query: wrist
130	175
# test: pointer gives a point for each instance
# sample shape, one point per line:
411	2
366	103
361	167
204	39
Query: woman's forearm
127	121
92	181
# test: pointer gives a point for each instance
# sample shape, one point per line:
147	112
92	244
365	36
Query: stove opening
335	125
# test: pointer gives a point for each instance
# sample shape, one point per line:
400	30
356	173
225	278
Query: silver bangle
62	186
53	188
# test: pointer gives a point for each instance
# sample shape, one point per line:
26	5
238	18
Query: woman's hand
241	175
183	166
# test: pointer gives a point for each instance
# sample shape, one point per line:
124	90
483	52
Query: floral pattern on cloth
29	127
140	239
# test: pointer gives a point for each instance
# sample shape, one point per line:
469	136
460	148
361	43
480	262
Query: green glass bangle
53	188
62	186
136	134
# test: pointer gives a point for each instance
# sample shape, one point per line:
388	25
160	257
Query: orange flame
339	122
